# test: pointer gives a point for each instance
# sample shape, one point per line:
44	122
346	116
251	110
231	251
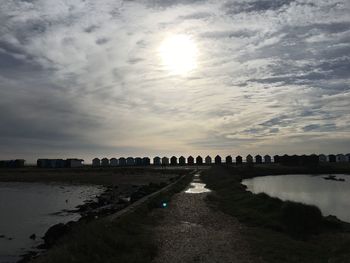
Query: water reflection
196	186
31	208
332	197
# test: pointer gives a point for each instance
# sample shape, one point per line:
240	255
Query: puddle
197	187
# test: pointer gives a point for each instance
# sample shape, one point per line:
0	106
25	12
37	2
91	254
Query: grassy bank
279	231
128	239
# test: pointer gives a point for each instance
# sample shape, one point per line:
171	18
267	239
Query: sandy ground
89	175
190	231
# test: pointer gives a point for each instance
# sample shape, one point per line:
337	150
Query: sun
178	54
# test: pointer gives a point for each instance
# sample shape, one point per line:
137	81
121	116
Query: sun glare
179	54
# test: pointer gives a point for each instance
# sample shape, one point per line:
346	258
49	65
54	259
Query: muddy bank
113	199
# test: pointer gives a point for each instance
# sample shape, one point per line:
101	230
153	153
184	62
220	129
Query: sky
86	78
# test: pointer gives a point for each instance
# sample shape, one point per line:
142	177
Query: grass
278	231
127	240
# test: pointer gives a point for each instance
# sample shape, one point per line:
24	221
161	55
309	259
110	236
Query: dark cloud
322	128
236	7
199	15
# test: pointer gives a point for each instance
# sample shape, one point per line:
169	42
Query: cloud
86	78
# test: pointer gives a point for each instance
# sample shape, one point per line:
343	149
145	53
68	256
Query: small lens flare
164	204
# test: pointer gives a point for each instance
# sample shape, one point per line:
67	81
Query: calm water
197	186
28	208
332	197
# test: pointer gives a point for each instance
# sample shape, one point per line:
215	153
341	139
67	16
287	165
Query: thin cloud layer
85	78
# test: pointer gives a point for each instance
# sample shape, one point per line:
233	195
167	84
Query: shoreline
279	231
123	187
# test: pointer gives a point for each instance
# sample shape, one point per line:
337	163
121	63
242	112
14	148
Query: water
28	208
196	186
332	197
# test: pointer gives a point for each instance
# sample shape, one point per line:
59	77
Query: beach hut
199	160
258	159
105	162
130	161
348	157
113	162
322	158
341	158
146	161
72	162
276	158
249	159
190	160
138	161
96	162
228	159
182	160
217	159
165	161
313	159
332	158
239	159
157	160
208	160
122	161
173	160
267	158
60	163
19	163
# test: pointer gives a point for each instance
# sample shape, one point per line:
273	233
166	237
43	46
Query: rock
32	236
28	257
54	233
2	236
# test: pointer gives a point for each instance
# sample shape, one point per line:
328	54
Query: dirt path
190	231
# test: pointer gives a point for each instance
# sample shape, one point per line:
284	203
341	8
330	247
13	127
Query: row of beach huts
258	159
145	161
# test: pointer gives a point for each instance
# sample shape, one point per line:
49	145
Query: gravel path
190	231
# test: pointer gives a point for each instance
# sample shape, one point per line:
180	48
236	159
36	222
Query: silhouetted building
217	159
190	160
96	162
258	159
208	160
130	161
146	161
105	162
122	161
348	157
199	160
249	159
322	158
74	163
46	163
17	163
157	160
228	159
60	163
267	158
138	161
165	161
296	160
173	160
182	160
332	158
113	162
341	158
239	159
276	159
